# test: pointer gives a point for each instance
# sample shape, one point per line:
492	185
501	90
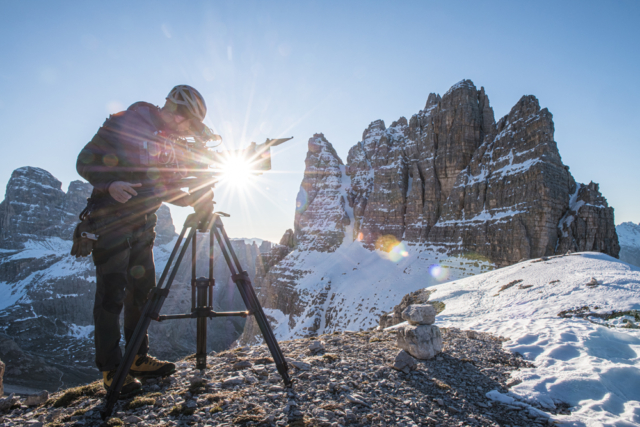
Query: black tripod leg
152	307
241	279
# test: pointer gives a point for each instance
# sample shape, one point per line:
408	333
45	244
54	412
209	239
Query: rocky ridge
340	379
46	296
454	178
35	207
450	183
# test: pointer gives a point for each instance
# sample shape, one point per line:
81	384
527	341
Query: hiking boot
131	385
149	367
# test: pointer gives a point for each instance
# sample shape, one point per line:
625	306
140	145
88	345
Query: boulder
232	381
303	366
421	296
420	314
316	347
420	341
8	402
404	362
37	399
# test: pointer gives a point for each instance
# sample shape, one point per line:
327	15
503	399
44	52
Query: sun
237	171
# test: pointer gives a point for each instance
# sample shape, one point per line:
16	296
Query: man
128	162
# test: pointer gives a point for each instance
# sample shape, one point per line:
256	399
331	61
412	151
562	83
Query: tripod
201	301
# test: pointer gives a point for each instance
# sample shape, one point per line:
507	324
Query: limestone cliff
450	183
455	179
320	205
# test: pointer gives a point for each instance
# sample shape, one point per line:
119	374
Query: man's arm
91	163
98	161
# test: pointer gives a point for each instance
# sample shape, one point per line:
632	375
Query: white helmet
191	99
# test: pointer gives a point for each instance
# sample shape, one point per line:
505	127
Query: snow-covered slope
559	318
350	288
629	236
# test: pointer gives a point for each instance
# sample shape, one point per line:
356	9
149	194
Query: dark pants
125	273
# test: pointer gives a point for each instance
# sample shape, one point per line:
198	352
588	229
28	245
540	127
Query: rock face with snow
320	205
629	235
450	180
35	207
46	296
587	224
454	178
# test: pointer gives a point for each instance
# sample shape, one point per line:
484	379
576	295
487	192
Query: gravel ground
340	379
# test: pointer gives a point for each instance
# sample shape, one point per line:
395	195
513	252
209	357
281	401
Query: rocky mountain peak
432	101
462	85
288	239
36	207
587	224
374	129
320	205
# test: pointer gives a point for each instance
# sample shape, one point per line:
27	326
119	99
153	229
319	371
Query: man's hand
122	191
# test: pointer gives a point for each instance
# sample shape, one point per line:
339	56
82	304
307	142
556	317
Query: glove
83	240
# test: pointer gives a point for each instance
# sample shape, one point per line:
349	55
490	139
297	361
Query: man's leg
141	279
111	281
111	257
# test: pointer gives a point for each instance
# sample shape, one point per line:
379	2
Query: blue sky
276	68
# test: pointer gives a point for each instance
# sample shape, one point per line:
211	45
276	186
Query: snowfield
350	288
588	361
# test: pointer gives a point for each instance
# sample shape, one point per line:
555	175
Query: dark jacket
131	146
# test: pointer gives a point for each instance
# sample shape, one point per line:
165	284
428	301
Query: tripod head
199	167
197	157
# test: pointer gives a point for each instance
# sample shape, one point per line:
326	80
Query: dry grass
140	401
330	357
71	395
441	385
178	410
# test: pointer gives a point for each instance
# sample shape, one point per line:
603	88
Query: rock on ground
351	383
420	314
420	341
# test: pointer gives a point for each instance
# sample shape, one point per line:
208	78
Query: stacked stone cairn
420	338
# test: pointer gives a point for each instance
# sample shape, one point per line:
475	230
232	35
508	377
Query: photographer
130	162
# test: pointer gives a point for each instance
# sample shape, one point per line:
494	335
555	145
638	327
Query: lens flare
391	248
302	201
153	173
439	272
110	160
160	190
237	171
137	271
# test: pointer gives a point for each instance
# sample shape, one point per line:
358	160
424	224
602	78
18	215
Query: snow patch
81	332
595	369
